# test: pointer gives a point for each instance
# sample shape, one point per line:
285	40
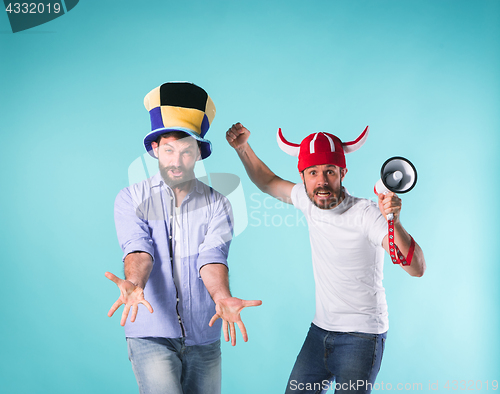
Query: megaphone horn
397	175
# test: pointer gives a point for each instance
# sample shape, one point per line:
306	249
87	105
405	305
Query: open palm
130	296
228	309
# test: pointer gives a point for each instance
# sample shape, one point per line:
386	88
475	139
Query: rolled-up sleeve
133	231
374	224
215	247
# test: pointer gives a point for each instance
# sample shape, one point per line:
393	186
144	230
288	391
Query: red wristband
393	248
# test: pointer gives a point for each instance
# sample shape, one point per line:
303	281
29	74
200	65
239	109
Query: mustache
179	168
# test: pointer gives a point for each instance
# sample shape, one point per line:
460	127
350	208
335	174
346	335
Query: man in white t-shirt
348	235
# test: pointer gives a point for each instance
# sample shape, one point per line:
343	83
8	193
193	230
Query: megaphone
397	175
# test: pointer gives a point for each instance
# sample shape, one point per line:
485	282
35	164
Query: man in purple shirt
175	233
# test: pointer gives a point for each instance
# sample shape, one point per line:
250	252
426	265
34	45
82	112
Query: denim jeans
166	365
340	362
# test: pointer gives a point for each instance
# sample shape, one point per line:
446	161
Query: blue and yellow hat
180	106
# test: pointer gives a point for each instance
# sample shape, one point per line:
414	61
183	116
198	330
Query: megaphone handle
393	248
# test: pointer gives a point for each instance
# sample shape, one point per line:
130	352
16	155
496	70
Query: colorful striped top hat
180	106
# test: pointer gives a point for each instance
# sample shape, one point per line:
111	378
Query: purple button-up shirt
144	222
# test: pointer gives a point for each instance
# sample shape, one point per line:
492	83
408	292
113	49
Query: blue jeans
344	362
166	365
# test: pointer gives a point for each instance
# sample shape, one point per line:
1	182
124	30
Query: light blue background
423	74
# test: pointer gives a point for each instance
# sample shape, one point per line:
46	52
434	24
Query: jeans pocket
363	335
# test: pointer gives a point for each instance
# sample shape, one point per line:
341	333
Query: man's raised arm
259	173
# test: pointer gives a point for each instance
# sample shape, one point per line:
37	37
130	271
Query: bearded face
176	176
323	185
176	159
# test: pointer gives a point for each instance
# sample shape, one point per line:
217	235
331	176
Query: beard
329	201
177	181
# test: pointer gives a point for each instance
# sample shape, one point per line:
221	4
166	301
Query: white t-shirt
348	258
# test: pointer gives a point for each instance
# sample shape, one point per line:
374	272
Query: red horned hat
321	148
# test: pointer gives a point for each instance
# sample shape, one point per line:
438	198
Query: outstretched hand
130	296
237	135
228	309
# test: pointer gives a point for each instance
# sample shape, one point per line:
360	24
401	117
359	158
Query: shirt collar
156	180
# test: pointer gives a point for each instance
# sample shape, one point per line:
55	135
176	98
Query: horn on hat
352	146
287	147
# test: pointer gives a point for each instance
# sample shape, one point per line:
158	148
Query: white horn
352	146
287	147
